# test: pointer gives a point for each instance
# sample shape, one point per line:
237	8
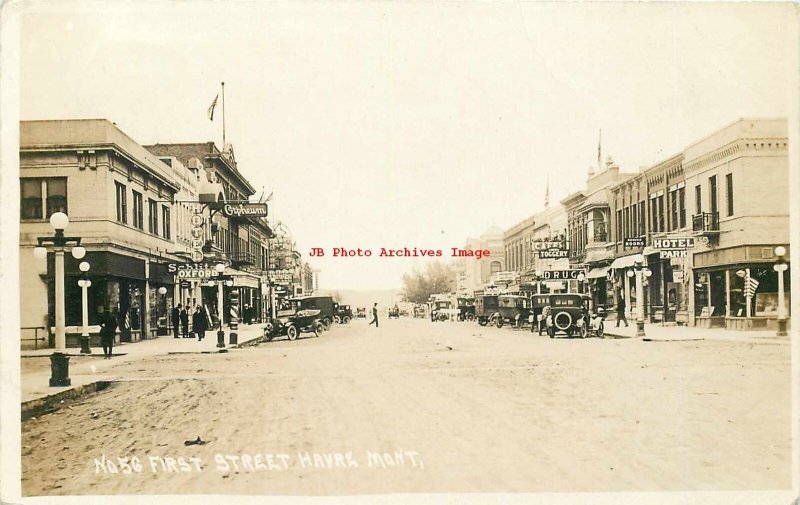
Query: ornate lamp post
780	267
581	277
162	291
85	284
59	361
640	272
221	280
537	276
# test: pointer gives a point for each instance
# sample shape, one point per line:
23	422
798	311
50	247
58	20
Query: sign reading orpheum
244	209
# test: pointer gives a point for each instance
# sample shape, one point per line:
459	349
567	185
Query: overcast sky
399	124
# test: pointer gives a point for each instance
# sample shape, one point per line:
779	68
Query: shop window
138	210
41	198
122	203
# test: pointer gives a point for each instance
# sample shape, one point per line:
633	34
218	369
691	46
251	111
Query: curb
51	403
685	339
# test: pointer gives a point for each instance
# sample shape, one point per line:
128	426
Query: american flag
211	109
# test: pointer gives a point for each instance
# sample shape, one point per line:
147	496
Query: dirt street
416	406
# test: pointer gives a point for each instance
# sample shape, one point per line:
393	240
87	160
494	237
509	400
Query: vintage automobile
572	313
322	303
486	308
419	311
293	323
466	309
394	312
361	313
342	313
512	309
538	313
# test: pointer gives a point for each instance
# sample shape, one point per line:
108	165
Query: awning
623	262
597	273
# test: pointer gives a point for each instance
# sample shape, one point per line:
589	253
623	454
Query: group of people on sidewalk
180	321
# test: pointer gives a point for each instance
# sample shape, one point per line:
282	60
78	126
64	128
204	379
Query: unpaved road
456	407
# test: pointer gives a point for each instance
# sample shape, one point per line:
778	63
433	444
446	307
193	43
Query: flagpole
223	116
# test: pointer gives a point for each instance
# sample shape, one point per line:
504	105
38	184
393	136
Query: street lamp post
537	276
59	361
780	267
220	281
640	272
85	283
581	277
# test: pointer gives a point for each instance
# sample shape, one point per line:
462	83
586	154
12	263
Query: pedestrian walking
621	310
185	322
374	314
176	320
199	323
108	330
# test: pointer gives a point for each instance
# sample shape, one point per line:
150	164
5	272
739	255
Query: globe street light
59	361
640	271
220	269
780	267
84	283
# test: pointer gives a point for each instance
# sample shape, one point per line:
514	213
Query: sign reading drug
561	275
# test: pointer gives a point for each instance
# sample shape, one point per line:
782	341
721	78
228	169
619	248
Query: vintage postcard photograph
399	252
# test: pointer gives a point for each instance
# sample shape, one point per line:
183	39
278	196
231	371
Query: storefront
119	284
724	278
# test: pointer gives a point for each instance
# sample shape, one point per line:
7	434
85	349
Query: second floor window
138	210
698	200
152	216
165	222
729	193
41	198
712	193
122	203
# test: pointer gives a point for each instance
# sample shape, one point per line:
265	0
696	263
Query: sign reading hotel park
244	209
673	247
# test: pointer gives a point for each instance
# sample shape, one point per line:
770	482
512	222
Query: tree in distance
437	277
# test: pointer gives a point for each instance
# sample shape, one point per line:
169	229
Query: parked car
394	312
419	311
572	313
322	303
440	310
486	309
342	313
361	312
538	313
466	309
293	324
512	309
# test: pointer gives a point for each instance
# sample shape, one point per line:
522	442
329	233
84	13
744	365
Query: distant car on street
322	303
342	313
572	313
361	312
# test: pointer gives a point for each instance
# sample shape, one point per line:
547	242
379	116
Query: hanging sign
244	209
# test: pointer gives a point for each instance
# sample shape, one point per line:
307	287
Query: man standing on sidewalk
176	320
621	310
374	315
108	330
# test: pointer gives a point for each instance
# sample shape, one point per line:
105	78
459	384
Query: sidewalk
657	333
86	370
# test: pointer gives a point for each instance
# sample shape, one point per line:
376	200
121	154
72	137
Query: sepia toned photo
399	252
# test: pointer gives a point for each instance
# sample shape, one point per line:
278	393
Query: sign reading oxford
244	209
192	270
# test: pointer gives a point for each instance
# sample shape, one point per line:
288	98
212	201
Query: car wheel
482	321
583	331
326	324
470	317
337	319
318	329
600	329
551	332
292	332
499	322
346	319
